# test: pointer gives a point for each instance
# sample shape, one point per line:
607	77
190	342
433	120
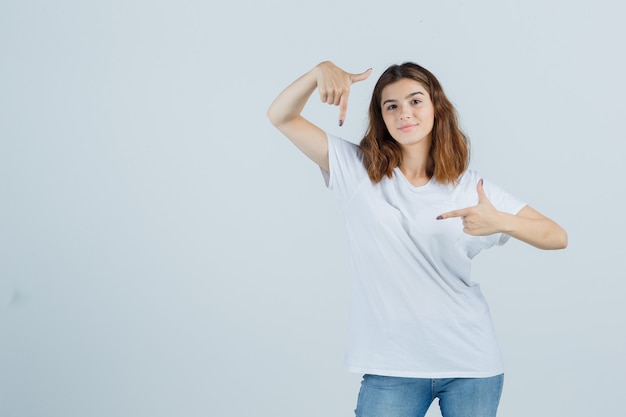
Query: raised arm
333	85
528	225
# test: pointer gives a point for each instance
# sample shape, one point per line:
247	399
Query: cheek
429	117
432	120
388	120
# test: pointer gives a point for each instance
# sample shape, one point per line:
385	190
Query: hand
479	220
334	84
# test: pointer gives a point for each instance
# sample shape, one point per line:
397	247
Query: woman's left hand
479	220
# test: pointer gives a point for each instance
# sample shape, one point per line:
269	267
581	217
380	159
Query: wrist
506	222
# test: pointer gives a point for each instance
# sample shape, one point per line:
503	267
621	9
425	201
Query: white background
165	252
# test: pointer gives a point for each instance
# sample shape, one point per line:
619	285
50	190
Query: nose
405	113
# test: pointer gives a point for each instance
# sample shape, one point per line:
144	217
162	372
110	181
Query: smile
407	128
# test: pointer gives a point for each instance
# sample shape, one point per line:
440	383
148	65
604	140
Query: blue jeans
386	396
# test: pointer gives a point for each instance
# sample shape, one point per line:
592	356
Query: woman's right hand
285	111
334	84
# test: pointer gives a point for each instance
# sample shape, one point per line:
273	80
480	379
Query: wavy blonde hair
449	150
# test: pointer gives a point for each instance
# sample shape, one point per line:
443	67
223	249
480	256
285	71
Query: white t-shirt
416	312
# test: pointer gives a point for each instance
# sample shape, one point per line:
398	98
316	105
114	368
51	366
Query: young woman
420	328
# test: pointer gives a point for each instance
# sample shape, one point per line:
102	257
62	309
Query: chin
412	141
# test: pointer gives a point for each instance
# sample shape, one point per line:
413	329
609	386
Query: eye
416	101
391	107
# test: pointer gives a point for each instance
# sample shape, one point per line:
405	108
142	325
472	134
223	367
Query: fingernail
439	217
481	182
340	123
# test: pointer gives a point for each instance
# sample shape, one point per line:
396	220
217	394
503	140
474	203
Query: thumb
362	76
482	196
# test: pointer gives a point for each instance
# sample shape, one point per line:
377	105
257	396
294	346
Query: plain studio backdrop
165	252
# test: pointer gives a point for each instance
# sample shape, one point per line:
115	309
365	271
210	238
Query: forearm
535	229
291	101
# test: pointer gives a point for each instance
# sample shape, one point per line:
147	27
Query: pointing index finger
452	214
343	108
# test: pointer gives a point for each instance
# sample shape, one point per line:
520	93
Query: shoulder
469	181
469	177
342	145
345	161
344	152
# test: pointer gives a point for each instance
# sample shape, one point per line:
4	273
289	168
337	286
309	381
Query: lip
407	127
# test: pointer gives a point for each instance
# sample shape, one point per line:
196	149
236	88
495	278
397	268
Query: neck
414	163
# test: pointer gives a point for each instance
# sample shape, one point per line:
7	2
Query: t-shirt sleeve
345	160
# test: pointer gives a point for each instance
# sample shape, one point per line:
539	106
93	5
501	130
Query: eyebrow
409	96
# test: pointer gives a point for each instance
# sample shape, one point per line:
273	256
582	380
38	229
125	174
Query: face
408	112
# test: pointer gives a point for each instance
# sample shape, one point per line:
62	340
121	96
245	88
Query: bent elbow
276	118
564	240
271	116
560	240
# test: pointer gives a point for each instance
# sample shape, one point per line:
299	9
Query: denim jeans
385	396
